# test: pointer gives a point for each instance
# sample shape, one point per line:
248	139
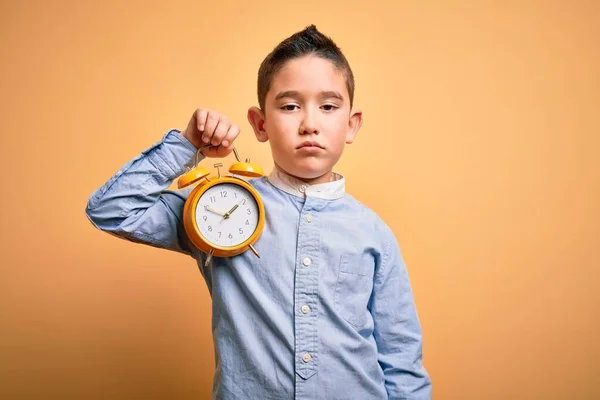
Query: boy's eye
329	107
289	107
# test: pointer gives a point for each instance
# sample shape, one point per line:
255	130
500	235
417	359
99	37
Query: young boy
327	311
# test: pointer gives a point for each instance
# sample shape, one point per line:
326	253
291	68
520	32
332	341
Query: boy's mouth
309	145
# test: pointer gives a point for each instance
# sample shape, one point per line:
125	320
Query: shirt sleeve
397	327
134	204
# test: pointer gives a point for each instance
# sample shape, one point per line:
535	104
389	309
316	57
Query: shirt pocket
353	287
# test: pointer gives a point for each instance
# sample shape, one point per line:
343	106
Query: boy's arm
134	203
397	327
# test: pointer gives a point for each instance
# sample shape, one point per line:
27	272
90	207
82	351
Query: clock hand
228	213
209	208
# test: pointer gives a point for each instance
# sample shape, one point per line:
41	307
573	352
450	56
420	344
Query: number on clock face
227	214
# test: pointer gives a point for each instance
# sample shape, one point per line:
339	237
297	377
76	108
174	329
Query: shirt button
309	218
306	357
305	309
306	261
302	188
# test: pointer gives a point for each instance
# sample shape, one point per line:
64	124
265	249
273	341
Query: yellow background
479	149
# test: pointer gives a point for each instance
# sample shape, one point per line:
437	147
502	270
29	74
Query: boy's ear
354	125
257	119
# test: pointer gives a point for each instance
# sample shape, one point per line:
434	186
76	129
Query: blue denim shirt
326	312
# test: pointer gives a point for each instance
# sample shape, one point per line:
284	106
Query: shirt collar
333	190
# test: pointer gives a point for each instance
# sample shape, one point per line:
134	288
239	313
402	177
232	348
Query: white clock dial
227	215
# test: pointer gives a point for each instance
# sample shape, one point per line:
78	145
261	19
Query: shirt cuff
173	154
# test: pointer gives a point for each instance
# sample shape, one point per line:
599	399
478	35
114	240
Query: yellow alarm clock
224	215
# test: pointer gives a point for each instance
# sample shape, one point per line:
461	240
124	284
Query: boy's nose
309	124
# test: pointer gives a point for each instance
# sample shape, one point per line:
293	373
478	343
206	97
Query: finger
222	151
212	119
201	115
211	152
220	132
232	134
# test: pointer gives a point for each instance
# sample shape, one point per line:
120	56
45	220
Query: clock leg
208	258
254	250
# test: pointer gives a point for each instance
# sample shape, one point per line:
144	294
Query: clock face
227	215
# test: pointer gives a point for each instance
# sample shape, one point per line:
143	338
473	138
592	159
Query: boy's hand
210	127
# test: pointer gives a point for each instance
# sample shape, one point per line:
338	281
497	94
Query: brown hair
306	42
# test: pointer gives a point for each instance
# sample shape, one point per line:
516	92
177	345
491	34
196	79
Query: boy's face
307	118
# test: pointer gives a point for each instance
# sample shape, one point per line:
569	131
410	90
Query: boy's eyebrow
324	94
332	93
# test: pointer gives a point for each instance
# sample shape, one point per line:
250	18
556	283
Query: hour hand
209	208
228	213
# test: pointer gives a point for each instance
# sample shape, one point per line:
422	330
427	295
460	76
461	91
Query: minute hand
209	208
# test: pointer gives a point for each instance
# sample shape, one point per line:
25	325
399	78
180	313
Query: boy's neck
327	177
331	190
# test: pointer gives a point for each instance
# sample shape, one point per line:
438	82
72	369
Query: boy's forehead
307	75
